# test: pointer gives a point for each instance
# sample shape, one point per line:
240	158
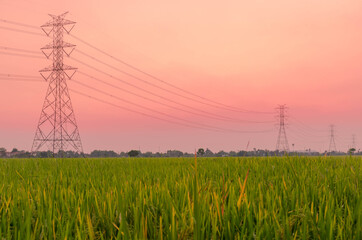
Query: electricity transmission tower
57	129
282	142
353	141
332	143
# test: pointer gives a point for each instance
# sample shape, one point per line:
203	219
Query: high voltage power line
164	114
130	75
223	118
19	24
224	106
17	75
306	127
158	79
302	129
295	131
149	83
21	79
19	50
196	112
201	126
158	95
301	137
132	110
22	31
20	55
129	91
304	132
152	116
221	105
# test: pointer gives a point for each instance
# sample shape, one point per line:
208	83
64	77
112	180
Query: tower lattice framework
332	142
353	141
282	141
57	129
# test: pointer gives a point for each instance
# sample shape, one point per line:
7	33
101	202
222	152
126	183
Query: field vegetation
179	198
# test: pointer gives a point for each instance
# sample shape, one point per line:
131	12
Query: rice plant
180	198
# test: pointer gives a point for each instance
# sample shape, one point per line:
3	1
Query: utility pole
282	141
332	143
57	129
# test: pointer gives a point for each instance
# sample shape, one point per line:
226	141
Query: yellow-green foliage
280	198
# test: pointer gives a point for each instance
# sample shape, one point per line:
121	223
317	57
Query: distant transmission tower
332	143
282	142
353	141
57	129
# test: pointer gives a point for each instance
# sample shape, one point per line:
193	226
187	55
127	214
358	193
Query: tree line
201	152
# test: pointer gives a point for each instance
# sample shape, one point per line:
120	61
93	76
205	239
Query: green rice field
180	198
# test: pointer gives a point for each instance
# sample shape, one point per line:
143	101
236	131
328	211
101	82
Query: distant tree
23	154
103	153
158	154
174	153
221	154
208	153
351	151
44	154
201	151
72	154
147	154
2	152
61	154
242	153
232	154
186	154
14	150
133	153
123	154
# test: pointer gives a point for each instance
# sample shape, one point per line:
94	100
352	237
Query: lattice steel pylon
332	142
353	141
57	129
282	141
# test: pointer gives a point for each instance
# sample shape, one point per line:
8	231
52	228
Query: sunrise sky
248	54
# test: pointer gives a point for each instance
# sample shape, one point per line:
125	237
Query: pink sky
248	54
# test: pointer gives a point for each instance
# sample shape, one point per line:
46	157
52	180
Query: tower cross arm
64	68
64	45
